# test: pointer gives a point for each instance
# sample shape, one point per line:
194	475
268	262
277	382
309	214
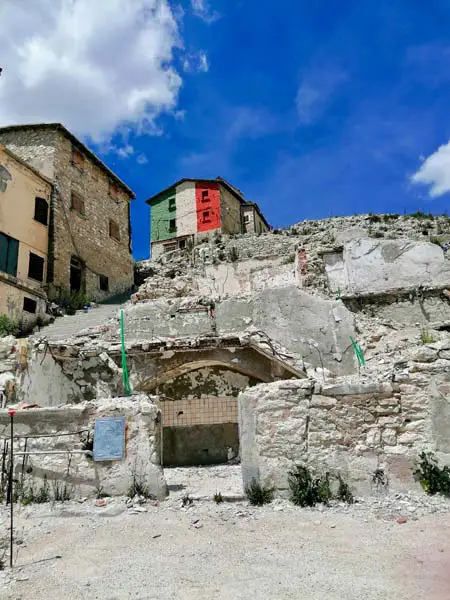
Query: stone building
193	208
253	219
24	218
89	224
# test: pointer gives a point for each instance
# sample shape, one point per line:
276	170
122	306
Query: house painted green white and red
194	207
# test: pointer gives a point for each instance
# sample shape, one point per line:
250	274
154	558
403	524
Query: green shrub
426	336
43	494
307	490
218	498
432	478
73	302
138	487
421	215
233	254
8	326
258	494
344	493
374	218
435	240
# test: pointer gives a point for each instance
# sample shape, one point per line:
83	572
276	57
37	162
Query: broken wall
70	429
378	266
349	427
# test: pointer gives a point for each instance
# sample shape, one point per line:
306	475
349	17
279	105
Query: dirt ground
230	551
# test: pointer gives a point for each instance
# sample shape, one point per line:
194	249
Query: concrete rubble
303	296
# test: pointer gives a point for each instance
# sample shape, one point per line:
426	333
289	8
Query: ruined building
24	217
193	208
243	347
89	220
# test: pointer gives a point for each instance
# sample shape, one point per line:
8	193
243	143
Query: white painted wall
186	213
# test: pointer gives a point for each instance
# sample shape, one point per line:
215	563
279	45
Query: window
205	197
182	244
36	267
9	251
113	191
41	210
172	204
29	305
246	218
77	159
170	247
172	225
104	283
77	203
114	230
206	216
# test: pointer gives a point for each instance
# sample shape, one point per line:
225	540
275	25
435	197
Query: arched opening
198	402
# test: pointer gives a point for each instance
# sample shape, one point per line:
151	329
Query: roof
25	164
258	210
234	191
76	142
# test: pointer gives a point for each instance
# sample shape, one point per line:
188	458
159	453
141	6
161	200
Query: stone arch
151	383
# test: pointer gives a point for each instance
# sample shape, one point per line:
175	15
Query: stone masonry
355	428
69	430
73	234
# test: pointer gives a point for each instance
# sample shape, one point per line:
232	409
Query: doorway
77	275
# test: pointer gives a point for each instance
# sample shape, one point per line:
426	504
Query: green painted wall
161	214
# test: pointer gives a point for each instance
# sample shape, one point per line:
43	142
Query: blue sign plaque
109	438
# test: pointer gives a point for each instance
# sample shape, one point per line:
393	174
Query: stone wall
85	236
369	266
78	471
350	427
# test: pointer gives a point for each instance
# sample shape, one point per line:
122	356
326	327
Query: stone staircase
68	326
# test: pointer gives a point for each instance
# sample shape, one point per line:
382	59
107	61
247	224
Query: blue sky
312	109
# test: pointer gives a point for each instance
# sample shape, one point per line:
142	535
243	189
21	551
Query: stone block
424	354
323	402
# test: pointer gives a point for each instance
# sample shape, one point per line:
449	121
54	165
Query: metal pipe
35	452
11	470
46	435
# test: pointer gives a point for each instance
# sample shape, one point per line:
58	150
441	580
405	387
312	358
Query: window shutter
13	253
3	252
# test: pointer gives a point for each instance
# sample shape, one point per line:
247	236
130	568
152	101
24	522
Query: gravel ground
231	551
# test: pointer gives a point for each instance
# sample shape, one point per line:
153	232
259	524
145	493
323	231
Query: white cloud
316	92
435	172
92	65
196	63
142	159
202	9
125	151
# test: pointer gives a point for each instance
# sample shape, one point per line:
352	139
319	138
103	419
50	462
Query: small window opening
114	230
77	159
205	196
182	244
172	204
36	267
29	305
172	224
41	210
104	283
77	203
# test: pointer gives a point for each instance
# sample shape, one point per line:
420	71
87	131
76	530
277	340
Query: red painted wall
207	199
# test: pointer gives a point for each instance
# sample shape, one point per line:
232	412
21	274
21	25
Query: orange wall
207	198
